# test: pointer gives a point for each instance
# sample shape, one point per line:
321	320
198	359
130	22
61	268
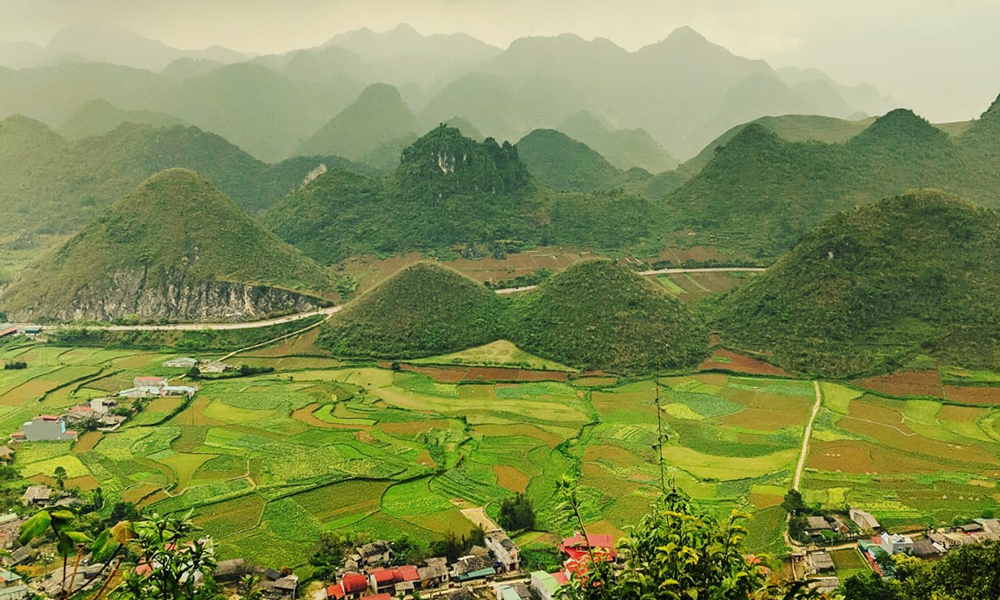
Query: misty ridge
674	96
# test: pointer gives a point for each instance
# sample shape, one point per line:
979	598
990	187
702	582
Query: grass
498	353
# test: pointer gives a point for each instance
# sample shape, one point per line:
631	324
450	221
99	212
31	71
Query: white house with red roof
45	428
578	550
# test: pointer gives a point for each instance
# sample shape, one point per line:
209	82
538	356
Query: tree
677	552
62	524
194	373
517	513
793	503
328	554
870	587
247	588
181	565
123	511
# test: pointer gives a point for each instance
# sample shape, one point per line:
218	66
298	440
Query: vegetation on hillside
565	164
450	191
100	117
598	315
760	193
173	232
624	148
377	117
875	286
423	310
51	185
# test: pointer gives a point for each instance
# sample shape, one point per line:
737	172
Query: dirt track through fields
805	438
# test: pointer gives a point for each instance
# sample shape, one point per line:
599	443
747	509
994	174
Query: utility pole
659	431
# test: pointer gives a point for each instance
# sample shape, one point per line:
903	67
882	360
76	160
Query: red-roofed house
354	584
378	597
560	577
335	591
381	579
6	332
47	428
407	573
576	547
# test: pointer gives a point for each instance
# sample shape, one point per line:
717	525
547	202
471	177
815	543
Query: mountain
402	55
486	101
423	310
598	315
452	194
102	43
565	164
49	184
862	98
377	117
174	248
876	286
99	117
624	148
759	194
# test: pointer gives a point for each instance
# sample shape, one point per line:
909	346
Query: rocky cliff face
180	298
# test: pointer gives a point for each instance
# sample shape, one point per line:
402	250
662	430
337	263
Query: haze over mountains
677	94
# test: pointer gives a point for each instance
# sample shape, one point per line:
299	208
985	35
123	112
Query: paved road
333	309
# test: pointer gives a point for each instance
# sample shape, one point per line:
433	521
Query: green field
271	461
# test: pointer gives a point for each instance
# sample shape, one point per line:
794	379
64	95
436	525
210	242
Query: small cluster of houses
155	387
205	366
933	545
8	330
367	573
577	552
856	523
58	428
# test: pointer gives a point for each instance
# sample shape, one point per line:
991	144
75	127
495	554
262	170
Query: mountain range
677	94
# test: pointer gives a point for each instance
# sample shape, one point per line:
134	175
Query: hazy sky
939	56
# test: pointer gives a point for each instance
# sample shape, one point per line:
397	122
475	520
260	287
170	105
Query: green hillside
99	117
597	315
624	148
449	193
759	193
874	287
423	310
565	164
377	117
173	248
52	185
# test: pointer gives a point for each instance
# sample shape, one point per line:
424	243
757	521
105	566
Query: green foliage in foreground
597	315
967	573
875	286
423	310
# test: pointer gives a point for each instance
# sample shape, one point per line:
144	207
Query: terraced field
268	462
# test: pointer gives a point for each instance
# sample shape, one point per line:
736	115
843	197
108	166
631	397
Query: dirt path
479	517
805	438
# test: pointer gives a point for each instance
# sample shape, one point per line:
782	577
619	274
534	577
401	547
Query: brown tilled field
734	361
981	396
906	383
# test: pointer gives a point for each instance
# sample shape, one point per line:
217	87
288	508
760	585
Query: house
504	550
8	331
284	587
79	414
546	585
6	453
215	367
894	543
152	382
103	406
37	495
989	525
820	562
865	521
378	597
32	330
927	549
840	524
434	572
468	568
576	547
10	526
513	591
86	576
389	580
354	585
47	428
335	591
824	585
182	362
229	571
179	390
815	526
12	586
375	553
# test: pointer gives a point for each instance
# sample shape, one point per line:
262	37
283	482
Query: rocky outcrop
179	298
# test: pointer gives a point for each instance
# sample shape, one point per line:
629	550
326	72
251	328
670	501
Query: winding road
333	309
